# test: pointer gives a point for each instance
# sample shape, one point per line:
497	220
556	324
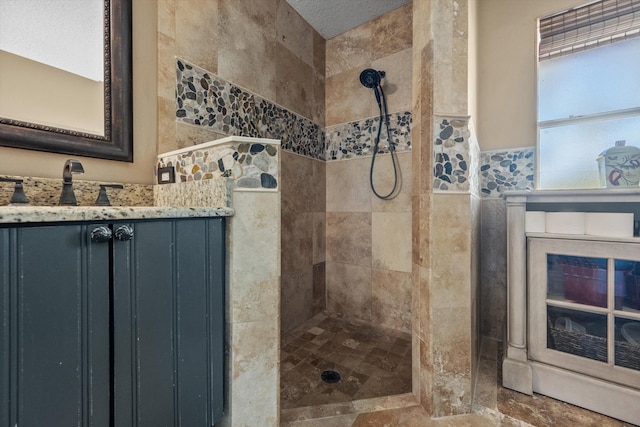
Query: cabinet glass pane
576	332
627	348
578	279
628	286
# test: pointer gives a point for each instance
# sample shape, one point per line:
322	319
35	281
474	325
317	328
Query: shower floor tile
372	362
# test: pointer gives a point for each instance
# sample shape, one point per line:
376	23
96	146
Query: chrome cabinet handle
101	234
124	233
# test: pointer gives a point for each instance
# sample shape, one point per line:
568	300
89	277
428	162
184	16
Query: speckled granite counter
30	214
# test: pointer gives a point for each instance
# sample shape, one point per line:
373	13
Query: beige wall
507	70
38	164
64	99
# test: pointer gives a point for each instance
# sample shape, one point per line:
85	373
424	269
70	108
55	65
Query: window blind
592	25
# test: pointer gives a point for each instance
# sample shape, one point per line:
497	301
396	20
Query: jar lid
621	148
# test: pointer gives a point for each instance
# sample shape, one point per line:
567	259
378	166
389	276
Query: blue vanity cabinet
55	327
124	329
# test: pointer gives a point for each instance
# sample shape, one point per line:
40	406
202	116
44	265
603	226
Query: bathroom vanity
573	315
111	316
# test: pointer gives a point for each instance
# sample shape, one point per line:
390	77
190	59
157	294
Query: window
588	90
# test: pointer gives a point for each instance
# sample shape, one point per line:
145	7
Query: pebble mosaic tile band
506	170
204	99
249	165
456	156
356	139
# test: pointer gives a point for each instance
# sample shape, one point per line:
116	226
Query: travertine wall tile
452	385
493	267
255	293
397	83
298	193
292	82
318	183
303	238
346	99
167	18
297	297
253	369
383	177
451	239
391	240
349	290
319	233
297	240
187	136
196	32
349	238
392	32
348	186
349	50
293	33
247	45
167	70
450	48
390	297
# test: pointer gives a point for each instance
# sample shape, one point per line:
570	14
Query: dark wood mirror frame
117	142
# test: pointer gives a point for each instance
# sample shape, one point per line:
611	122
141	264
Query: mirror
107	133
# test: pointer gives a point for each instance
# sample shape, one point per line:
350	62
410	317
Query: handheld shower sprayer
372	79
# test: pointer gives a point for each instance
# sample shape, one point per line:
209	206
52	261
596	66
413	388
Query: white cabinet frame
525	367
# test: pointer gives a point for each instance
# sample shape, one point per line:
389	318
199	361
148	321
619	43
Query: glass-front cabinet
584	307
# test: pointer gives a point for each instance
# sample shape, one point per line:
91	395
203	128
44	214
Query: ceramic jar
619	166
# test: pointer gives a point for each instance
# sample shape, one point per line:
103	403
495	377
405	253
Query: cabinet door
168	300
55	327
584	308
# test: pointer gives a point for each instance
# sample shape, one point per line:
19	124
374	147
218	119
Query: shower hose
384	120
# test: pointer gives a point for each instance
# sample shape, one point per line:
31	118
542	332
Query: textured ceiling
333	17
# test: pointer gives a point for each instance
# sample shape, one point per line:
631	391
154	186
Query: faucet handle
18	197
103	199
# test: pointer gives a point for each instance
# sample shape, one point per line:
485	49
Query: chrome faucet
70	167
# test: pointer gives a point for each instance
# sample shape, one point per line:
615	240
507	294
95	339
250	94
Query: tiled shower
342	250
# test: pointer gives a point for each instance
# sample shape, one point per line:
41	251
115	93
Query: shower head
371	78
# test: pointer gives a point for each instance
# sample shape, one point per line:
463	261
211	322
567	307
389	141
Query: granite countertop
33	214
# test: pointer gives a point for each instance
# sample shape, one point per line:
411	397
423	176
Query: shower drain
330	377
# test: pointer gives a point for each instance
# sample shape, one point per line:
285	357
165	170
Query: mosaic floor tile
371	361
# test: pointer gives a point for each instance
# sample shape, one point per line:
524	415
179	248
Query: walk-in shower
372	79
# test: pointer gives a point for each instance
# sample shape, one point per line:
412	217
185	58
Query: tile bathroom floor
371	361
493	406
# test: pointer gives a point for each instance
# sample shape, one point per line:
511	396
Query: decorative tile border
356	139
505	170
250	163
456	154
203	99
